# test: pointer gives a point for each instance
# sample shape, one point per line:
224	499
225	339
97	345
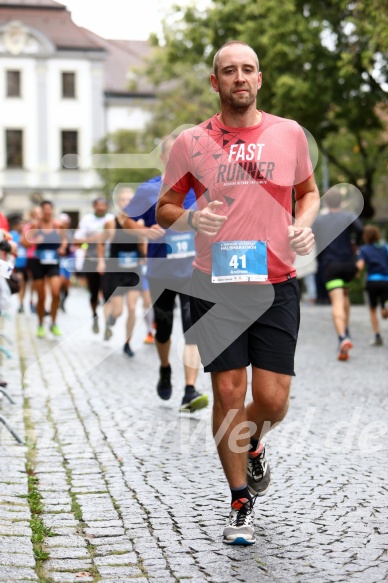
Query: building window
68	84
13	84
14	148
69	149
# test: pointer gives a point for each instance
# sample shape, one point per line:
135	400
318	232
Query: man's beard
237	103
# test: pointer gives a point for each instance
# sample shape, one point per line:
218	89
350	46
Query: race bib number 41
239	261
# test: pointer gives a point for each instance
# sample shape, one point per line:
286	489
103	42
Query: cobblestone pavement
114	485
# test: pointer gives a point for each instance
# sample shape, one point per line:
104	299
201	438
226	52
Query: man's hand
208	221
153	232
301	239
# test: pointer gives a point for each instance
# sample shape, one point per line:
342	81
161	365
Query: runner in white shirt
87	234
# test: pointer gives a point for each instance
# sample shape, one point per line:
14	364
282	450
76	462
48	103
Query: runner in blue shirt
169	270
373	256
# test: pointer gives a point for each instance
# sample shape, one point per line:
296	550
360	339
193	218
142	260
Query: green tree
324	64
124	142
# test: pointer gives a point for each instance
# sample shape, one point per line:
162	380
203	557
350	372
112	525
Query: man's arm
169	209
307	203
170	213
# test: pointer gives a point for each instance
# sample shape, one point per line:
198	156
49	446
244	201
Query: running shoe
96	327
55	330
377	341
344	347
128	350
258	472
193	401
108	333
41	333
149	339
240	530
111	320
21	309
164	386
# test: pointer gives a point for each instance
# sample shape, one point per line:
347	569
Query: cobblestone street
115	485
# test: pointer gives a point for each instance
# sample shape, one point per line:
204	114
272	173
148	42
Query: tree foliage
122	142
324	64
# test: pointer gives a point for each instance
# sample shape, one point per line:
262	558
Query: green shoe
41	332
55	330
193	401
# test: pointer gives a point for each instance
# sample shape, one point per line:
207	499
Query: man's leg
232	435
93	283
40	309
163	301
55	286
229	389
338	310
192	363
132	298
340	307
270	393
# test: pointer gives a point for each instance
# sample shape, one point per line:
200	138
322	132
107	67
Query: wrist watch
190	220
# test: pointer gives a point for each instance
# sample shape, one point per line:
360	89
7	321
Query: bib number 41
238	262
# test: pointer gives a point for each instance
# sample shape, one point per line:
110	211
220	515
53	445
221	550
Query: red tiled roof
56	24
54	21
36	3
122	55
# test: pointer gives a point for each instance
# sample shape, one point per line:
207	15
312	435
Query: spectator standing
16	223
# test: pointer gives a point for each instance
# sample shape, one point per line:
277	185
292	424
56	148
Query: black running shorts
338	274
40	271
377	293
163	301
241	324
120	283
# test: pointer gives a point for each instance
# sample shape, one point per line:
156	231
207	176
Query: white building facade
62	89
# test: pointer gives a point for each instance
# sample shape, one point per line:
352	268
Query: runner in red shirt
244	166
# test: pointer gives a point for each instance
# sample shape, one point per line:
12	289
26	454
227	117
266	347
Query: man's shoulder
271	119
203	126
148	187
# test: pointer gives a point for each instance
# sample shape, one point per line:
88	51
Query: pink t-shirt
252	172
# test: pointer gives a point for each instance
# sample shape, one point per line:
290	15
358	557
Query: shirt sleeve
177	175
304	167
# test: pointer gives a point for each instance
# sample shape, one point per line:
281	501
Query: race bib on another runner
181	245
48	256
128	259
239	261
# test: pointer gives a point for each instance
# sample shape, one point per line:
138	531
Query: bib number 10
182	246
238	262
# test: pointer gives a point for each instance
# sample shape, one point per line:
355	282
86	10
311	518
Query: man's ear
214	82
260	80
